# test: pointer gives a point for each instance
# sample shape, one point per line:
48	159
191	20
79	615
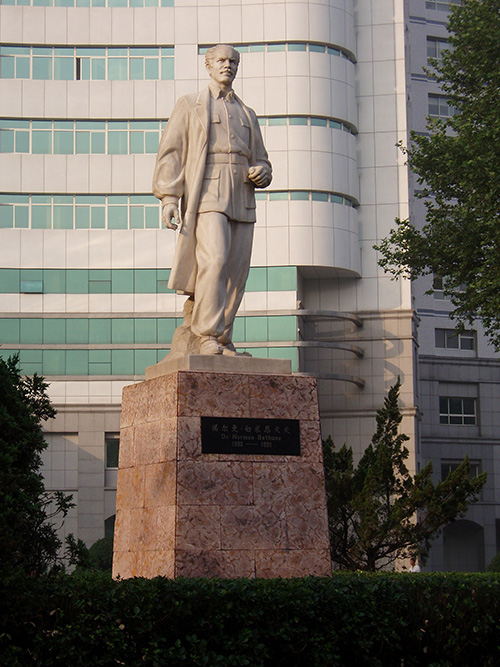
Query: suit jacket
179	170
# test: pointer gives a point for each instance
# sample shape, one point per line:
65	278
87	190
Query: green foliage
98	557
101	554
380	620
457	165
494	566
379	512
28	541
77	552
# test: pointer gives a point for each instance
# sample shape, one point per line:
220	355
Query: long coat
179	170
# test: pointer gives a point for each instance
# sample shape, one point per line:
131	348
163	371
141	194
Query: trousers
223	253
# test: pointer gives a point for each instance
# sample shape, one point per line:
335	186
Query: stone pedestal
181	512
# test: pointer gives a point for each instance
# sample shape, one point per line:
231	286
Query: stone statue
211	158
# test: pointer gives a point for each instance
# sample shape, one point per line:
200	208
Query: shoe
209	345
228	349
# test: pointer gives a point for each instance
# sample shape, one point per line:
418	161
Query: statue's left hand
260	176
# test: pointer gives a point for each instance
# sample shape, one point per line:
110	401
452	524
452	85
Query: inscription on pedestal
226	435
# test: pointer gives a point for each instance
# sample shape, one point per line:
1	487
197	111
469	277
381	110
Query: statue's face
223	66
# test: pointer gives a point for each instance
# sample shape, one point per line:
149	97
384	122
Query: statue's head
222	63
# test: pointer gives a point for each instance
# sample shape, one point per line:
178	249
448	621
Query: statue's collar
217	93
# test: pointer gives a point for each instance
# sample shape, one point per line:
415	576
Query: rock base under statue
216	505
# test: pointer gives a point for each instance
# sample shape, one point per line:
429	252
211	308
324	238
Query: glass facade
90	3
114	211
459	411
312	121
75	137
274	47
112	137
126	281
439	106
305	195
79	211
86	63
107	362
133	331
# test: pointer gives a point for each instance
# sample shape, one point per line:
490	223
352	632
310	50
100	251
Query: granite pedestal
182	512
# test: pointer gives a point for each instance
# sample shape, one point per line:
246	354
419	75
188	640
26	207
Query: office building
86	87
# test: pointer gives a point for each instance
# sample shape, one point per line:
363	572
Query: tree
378	512
458	167
98	557
29	543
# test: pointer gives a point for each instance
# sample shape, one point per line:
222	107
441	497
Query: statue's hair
210	53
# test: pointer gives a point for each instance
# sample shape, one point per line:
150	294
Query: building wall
84	261
455	371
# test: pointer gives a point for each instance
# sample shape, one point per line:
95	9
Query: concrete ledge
219	363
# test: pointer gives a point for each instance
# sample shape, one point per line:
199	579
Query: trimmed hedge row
350	619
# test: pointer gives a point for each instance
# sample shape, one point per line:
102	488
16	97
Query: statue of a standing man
211	158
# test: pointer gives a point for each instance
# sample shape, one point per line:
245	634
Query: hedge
348	619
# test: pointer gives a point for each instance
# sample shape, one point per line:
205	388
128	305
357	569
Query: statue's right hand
171	211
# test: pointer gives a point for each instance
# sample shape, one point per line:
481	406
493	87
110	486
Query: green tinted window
122	331
77	330
98	69
54	281
40	217
145	330
117	217
64	68
100	331
152	214
98	216
152	141
21	217
167	68
136	68
31	361
117	69
257	280
10	330
239	329
145	280
63	143
41	142
63	217
9	279
122	362
281	278
82	217
117	143
77	281
137	217
54	331
255	329
166	328
282	328
42	68
22	142
6	141
122	281
151	69
6	216
31	331
22	68
143	359
77	362
54	362
98	143
83	142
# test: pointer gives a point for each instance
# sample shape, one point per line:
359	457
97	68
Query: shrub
494	566
380	620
